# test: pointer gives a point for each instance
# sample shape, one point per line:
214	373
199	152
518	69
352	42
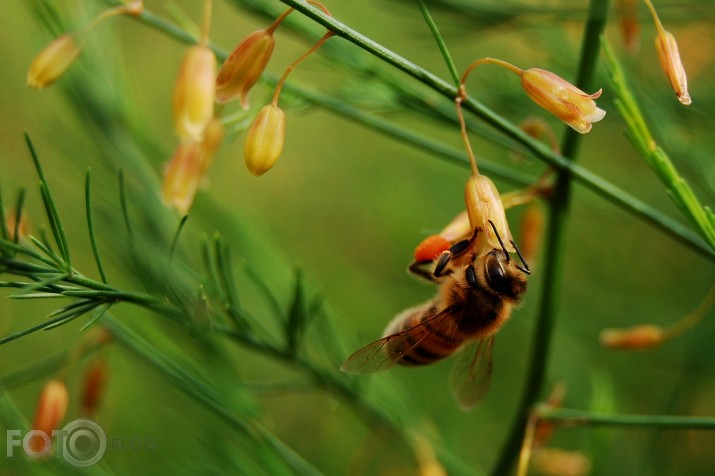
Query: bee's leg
441	264
419	268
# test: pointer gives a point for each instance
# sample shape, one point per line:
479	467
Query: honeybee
478	288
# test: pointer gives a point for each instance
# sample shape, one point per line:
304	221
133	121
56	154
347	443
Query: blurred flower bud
672	65
95	381
574	107
53	61
638	337
557	462
484	205
182	176
264	142
532	230
213	137
194	93
51	408
11	224
188	165
430	248
629	23
244	66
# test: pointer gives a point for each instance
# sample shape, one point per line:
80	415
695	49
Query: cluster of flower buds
245	65
200	132
51	63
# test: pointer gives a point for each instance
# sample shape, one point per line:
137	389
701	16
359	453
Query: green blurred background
347	206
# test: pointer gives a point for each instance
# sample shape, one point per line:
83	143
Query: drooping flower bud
672	65
53	61
638	337
213	137
484	205
264	141
573	106
244	66
194	93
51	408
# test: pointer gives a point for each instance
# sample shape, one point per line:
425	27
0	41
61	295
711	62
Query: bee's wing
380	356
472	373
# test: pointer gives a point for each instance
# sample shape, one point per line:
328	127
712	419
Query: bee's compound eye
471	277
496	278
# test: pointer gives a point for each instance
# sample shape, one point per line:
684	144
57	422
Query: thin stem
654	14
206	24
290	68
487	60
527	446
465	135
18	215
693	317
440	41
580	417
278	21
90	227
559	208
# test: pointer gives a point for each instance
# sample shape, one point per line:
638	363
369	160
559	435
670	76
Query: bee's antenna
525	269
506	253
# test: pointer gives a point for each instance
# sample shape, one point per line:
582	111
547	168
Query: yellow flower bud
557	462
484	205
264	142
672	65
638	337
629	23
51	408
53	61
244	66
194	93
573	106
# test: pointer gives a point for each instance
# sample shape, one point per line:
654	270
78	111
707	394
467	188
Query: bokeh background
347	205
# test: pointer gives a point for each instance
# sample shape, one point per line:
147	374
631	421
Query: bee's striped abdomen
441	341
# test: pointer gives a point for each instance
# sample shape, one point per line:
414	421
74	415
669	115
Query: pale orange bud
194	93
573	106
484	205
95	381
638	337
53	61
182	176
51	408
672	65
264	142
244	66
557	462
532	230
430	248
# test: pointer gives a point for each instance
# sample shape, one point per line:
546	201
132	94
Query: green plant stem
440	42
565	416
552	271
590	180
